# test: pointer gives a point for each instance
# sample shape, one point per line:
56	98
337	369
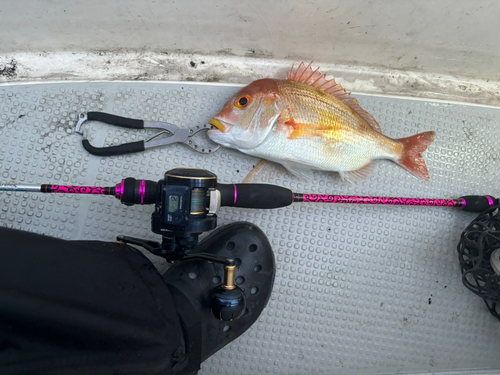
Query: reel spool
479	257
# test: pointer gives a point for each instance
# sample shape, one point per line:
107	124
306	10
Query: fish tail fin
411	158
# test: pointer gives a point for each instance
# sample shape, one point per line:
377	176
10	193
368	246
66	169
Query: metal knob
228	301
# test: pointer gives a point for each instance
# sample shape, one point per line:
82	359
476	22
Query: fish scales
340	127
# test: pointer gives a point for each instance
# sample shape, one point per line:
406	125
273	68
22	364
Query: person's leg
83	308
90	307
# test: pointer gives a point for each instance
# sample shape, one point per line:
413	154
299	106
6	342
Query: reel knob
228	301
227	304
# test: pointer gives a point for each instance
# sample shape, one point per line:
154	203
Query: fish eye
243	101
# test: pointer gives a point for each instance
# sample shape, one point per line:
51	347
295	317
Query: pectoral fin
295	130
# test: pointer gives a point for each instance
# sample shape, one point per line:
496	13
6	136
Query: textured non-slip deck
358	290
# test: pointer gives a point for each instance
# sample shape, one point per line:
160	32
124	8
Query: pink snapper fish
306	123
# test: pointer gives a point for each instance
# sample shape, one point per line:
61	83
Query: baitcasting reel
186	202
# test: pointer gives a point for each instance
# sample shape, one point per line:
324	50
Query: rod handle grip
255	195
477	203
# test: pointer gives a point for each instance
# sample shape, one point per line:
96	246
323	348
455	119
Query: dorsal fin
315	79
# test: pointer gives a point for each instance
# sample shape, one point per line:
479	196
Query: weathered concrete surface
446	50
151	66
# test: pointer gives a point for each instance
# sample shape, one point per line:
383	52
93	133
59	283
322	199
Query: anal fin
301	171
359	174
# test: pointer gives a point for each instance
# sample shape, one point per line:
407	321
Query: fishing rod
261	196
187	200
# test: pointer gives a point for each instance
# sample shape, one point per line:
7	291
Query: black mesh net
477	243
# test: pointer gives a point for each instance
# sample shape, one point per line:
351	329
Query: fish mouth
217	124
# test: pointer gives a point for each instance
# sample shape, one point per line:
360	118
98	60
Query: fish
309	123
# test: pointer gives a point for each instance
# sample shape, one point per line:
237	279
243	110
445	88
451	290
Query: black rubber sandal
193	283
